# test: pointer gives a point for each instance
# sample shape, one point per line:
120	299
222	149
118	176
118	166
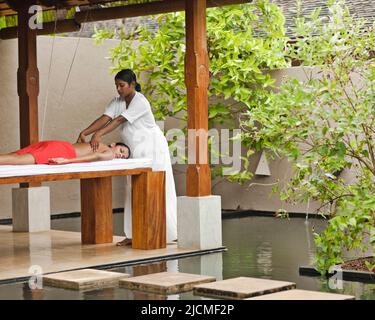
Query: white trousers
161	162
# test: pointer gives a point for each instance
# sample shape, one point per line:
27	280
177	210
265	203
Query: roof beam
62	26
121	12
144	9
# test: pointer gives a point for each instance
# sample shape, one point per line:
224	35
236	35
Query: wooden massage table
148	196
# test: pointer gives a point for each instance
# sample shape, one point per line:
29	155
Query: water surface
262	247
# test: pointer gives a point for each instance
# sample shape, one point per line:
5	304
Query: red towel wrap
44	150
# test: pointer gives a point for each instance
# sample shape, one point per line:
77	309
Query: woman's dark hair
124	145
128	76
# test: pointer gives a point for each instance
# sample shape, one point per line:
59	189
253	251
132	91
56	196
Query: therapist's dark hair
128	76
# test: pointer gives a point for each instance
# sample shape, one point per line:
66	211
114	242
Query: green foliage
243	40
348	229
8	21
325	124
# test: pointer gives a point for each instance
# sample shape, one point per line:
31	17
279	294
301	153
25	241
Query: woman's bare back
84	149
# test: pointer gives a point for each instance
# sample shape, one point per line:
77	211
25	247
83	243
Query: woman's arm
96	125
95	139
103	156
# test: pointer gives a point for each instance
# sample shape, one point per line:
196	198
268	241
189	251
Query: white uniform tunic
145	140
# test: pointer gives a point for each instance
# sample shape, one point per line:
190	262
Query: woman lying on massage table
61	152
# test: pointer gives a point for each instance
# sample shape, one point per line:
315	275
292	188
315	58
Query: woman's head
126	83
120	150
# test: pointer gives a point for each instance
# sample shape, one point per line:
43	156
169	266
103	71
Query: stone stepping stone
241	288
83	279
297	294
165	282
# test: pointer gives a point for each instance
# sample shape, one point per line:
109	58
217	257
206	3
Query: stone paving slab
165	282
83	279
297	294
241	288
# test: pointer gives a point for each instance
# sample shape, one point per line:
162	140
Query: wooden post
27	80
149	211
198	175
96	210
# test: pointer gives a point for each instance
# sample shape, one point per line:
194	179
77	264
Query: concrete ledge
235	214
125	263
348	275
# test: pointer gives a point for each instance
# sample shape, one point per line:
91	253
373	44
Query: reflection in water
102	294
309	230
264	258
208	265
262	247
149	268
267	247
29	294
275	248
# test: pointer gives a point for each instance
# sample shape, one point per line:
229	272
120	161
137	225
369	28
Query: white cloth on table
145	140
36	169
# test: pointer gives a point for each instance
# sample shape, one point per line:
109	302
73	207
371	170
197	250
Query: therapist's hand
81	138
94	143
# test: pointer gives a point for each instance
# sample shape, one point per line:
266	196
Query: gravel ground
359	264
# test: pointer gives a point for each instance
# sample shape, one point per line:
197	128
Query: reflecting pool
263	247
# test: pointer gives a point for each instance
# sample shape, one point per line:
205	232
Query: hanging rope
49	74
48	77
71	65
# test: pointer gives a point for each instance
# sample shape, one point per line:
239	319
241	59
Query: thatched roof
358	8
